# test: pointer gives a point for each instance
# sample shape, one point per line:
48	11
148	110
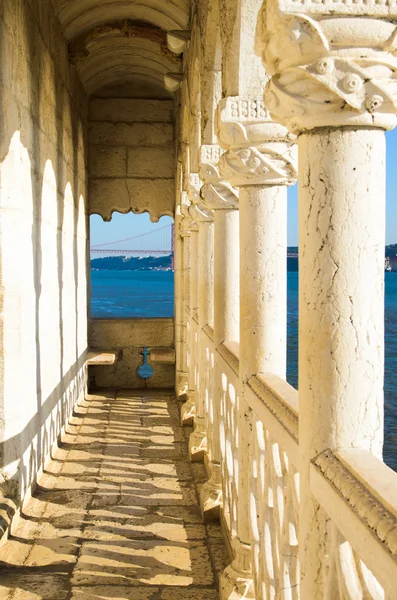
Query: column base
181	385
211	498
236	580
188	410
198	441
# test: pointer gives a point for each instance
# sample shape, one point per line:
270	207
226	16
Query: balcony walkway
116	512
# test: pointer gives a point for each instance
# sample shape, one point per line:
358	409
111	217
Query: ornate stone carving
273	164
200	214
216	193
245	122
277	407
377	517
258	150
334	71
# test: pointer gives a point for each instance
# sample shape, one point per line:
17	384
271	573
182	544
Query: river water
150	294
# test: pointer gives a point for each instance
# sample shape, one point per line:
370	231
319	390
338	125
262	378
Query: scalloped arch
154	216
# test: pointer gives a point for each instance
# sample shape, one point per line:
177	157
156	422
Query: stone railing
309	508
355	490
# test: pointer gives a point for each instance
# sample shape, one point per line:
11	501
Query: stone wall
43	323
131	157
130	335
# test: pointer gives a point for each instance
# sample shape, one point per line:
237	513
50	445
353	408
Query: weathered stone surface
150	162
129	110
132	159
116	513
131	134
43	241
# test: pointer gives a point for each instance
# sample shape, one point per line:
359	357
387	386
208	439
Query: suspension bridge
159	242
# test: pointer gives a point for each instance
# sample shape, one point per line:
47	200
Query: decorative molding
106	213
333	72
229	358
387	8
370	510
209	332
275	404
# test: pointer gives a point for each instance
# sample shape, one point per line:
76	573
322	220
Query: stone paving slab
115	514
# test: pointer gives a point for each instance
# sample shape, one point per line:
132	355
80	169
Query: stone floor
115	514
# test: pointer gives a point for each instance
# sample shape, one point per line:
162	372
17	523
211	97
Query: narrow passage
115	514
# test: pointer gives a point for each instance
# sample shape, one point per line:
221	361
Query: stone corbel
187	223
332	65
173	81
177	40
258	151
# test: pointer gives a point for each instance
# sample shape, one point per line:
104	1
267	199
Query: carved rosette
333	66
216	193
258	150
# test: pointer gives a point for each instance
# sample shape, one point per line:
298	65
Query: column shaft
186	296
263	310
198	439
192	372
341	310
226	276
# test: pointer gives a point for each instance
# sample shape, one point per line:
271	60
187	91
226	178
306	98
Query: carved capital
270	164
200	214
332	64
216	193
258	150
246	122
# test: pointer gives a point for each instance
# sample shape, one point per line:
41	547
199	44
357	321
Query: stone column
180	322
188	230
205	281
260	161
188	409
334	85
220	197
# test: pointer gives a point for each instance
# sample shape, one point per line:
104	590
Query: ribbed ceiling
119	42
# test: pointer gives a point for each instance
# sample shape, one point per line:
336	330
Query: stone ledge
163	356
103	357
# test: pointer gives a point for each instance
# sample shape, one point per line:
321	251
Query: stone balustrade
309	508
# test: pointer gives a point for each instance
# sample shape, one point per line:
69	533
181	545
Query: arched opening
132	267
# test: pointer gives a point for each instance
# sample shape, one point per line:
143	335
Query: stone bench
164	356
102	358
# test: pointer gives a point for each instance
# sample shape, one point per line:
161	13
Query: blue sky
122	226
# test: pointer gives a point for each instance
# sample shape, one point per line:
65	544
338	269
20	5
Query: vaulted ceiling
122	42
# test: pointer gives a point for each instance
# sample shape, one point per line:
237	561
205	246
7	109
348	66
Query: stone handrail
358	492
355	489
